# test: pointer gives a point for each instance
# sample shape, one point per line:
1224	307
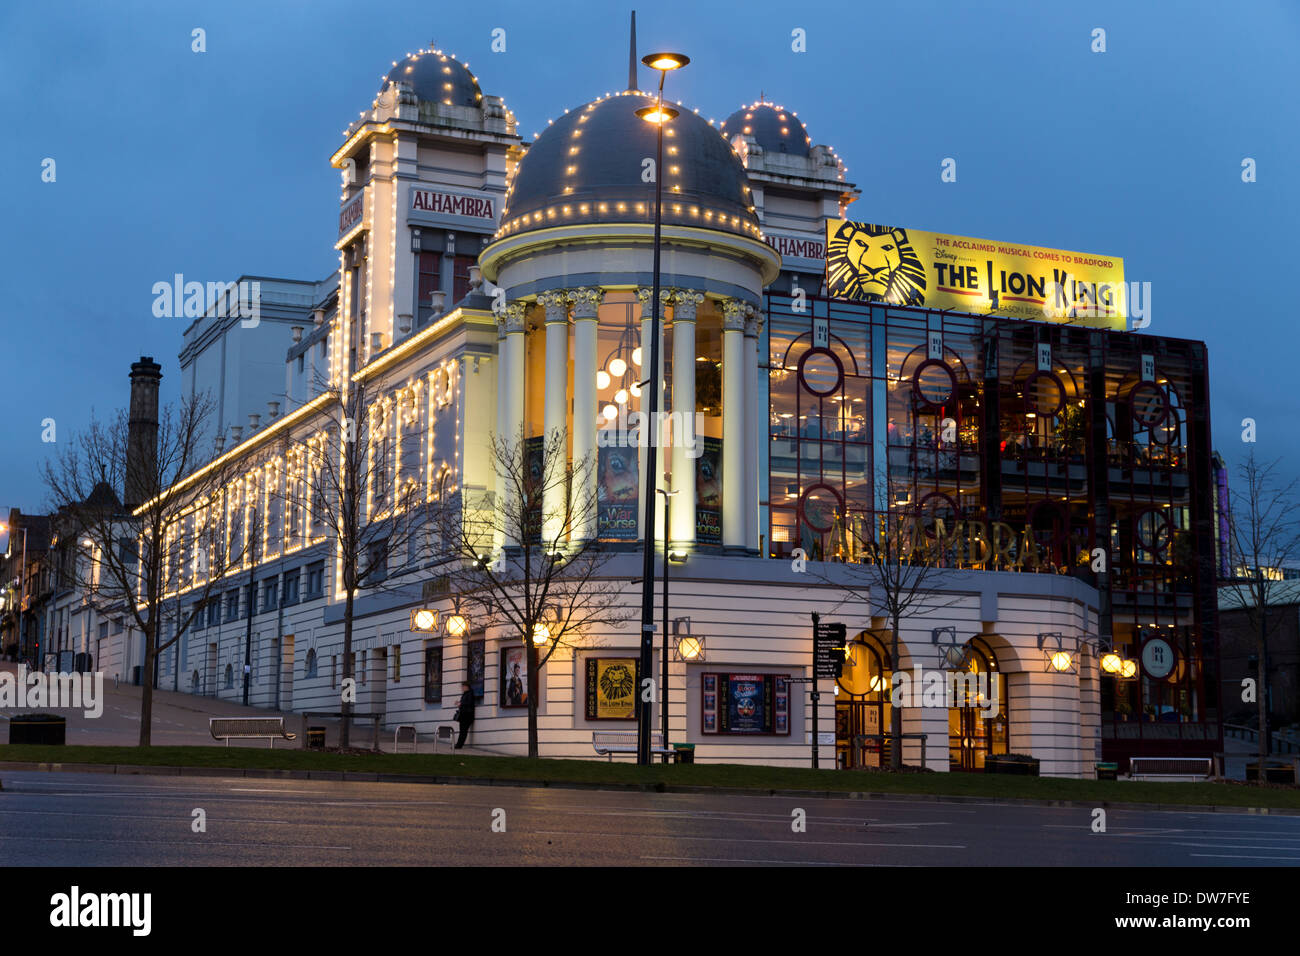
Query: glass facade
1023	446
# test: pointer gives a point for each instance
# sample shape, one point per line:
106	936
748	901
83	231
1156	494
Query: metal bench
445	732
248	728
1170	768
407	730
610	742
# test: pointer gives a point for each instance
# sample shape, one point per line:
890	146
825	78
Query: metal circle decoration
1166	433
819	506
821	372
1149	404
1158	658
864	671
933	383
1044	394
936	506
1154	532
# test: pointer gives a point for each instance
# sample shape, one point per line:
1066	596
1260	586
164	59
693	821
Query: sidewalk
182	720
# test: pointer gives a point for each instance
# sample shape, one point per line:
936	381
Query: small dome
588	166
437	78
774	128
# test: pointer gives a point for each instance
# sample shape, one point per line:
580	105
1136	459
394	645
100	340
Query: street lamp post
663	660
659	115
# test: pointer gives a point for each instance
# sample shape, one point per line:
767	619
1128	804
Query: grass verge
732	776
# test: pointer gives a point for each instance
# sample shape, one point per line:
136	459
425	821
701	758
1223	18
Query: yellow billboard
933	270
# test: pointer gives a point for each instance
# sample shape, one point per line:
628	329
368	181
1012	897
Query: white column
681	527
555	414
756	424
733	424
510	393
648	430
586	302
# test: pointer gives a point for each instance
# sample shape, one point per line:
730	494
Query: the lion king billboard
873	263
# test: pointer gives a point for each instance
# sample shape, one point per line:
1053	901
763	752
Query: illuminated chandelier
616	374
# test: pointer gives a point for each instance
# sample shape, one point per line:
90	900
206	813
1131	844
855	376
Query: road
69	819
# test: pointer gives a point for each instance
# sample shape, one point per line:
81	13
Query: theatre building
487	285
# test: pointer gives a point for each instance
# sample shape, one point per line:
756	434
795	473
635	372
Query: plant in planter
38	728
1022	764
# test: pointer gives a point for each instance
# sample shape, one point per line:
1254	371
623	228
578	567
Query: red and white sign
438	202
350	214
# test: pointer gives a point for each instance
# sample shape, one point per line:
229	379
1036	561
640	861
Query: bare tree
182	538
536	571
362	500
891	561
1265	533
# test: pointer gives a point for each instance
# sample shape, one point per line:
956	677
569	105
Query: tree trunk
146	689
533	684
895	712
1261	692
345	735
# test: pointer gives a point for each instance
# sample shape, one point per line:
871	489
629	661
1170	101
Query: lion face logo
617	682
873	263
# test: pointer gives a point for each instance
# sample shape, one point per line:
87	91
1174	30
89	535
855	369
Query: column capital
511	318
586	301
734	313
753	324
644	295
685	302
556	304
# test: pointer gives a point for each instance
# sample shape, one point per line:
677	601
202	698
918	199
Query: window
232	604
230	677
103	630
290	587
250	600
334	671
430	281
198	616
377	562
397	662
310	668
302	361
269	588
315	579
460	276
214	611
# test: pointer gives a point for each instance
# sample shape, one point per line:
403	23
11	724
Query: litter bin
1274	772
1107	771
316	737
685	753
48	729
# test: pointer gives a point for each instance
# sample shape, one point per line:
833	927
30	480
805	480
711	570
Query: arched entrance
862	704
977	721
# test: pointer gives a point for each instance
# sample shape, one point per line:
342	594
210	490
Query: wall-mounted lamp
457	625
952	655
1058	656
686	646
424	619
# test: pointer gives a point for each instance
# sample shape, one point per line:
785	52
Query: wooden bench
1170	768
248	728
610	742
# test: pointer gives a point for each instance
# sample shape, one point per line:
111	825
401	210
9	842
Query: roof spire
631	57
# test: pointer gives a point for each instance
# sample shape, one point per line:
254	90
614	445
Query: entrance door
378	681
854	717
286	672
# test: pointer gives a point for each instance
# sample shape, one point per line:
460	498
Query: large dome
774	128
437	78
587	167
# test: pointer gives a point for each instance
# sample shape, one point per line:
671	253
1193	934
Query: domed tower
574	256
795	186
424	173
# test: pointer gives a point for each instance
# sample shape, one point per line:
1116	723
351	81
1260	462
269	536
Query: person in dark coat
464	713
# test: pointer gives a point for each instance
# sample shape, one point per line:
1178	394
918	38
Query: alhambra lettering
450	204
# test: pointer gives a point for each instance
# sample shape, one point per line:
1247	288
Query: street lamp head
665	61
657	114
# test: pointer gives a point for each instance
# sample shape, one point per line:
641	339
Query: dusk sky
215	164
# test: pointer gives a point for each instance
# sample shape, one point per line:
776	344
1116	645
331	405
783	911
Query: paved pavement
92	820
182	720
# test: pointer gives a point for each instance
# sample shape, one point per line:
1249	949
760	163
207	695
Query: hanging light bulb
621	396
610	412
617	367
602	379
636	390
636	357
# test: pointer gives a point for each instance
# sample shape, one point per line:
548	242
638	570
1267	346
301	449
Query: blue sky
216	164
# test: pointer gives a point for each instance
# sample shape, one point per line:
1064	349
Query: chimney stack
142	433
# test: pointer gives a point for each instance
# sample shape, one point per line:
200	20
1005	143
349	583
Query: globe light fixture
621	396
602	379
657	114
636	356
617	367
457	626
424	619
1111	662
